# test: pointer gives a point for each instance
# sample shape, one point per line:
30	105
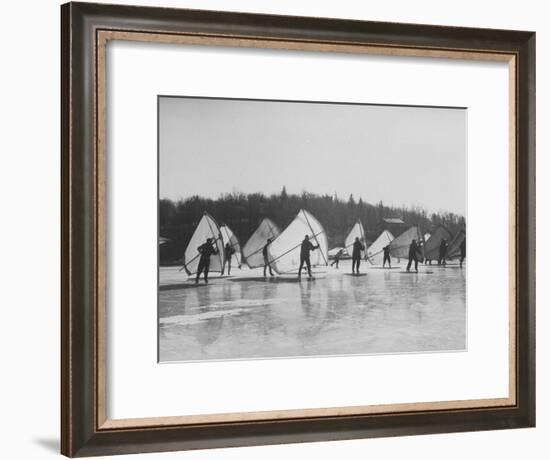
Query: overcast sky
400	155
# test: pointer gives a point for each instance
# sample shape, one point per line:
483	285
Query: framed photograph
285	229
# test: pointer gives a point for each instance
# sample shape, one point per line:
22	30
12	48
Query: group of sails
267	246
217	246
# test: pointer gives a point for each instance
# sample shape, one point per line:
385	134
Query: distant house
394	225
393	221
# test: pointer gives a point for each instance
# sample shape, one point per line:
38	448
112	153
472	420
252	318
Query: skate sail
229	237
252	252
399	247
357	231
453	251
206	228
284	251
375	251
431	246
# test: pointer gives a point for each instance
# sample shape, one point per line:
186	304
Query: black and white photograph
307	228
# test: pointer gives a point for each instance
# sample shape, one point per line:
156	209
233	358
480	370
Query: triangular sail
229	236
399	247
427	236
375	250
431	247
207	228
453	251
357	231
284	251
253	249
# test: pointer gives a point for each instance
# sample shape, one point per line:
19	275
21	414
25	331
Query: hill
244	212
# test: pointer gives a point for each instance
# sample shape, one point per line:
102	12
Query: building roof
392	220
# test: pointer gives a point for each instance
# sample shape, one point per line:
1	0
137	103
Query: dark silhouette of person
442	252
337	257
462	251
386	250
266	258
305	249
228	251
205	250
413	256
356	255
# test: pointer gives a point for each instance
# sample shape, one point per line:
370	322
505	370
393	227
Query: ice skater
442	252
356	255
267	264
205	250
413	256
228	251
462	251
386	250
305	249
337	257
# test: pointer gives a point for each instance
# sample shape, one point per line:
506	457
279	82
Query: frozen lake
242	317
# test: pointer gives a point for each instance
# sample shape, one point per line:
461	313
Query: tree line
244	212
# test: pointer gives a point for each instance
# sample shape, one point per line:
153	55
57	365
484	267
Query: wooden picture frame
85	30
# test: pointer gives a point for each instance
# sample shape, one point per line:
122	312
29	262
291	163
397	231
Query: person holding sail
337	258
413	256
356	255
442	252
305	249
386	250
205	251
267	264
228	251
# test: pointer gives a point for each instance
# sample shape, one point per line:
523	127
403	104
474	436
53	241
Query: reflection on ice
384	312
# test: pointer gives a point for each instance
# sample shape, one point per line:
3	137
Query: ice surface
386	311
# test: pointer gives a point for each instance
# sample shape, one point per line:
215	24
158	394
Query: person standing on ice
356	255
205	250
442	252
266	258
228	252
462	251
337	257
305	249
413	256
386	250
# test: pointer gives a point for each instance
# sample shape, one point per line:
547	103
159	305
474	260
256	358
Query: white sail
207	228
399	247
375	251
357	231
253	249
427	236
229	237
284	251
